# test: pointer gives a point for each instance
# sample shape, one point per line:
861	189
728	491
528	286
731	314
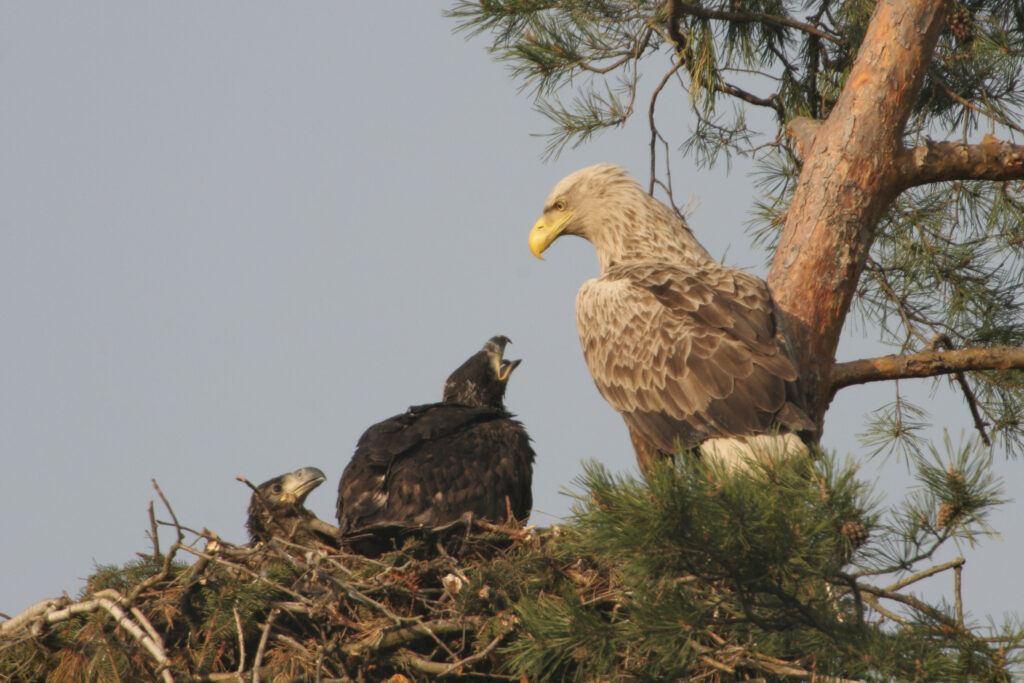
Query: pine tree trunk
851	173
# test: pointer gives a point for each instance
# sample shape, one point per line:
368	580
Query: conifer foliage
689	573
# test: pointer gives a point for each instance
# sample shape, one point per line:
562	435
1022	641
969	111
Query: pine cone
855	532
960	24
947	514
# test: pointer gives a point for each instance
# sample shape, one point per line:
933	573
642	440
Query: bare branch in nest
154	534
404	636
249	572
261	648
170	511
317	524
241	641
472	659
109	600
40	611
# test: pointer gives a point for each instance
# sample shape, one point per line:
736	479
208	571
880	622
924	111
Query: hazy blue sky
234	235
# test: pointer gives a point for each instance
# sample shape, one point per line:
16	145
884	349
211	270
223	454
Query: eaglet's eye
276	488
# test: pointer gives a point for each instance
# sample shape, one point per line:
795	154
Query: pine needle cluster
766	574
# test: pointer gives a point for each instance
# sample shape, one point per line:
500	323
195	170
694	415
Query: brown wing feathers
686	355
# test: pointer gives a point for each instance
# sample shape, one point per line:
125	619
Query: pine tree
864	210
791	572
891	188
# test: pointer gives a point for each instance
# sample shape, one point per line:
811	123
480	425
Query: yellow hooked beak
546	230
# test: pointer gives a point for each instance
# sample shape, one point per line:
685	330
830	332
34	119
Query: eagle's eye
560	205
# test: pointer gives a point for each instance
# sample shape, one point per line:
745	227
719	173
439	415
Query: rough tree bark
854	166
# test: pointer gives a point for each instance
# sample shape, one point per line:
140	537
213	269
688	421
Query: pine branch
924	364
931	571
935	162
677	7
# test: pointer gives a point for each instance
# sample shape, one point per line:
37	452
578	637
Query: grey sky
234	235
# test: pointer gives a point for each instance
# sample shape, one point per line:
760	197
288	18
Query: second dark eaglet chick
434	464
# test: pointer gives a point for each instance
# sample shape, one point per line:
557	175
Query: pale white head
605	206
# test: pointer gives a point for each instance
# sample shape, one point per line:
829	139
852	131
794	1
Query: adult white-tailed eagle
443	462
684	348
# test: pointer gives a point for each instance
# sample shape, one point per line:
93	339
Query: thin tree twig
705	13
905	315
877	606
170	510
970	105
650	119
958	593
931	571
165	570
241	642
403	636
750	98
153	532
261	648
943	340
475	657
237	567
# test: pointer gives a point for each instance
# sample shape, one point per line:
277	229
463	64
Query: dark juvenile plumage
685	349
438	463
276	510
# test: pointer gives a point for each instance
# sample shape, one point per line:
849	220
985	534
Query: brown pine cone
947	514
854	532
960	24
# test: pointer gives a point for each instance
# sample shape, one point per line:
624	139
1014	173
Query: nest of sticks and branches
440	605
678	577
